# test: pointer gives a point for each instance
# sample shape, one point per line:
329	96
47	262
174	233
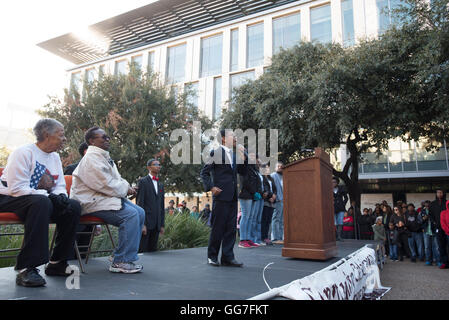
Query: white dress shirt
229	154
154	182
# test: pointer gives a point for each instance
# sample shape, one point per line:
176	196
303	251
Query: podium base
309	253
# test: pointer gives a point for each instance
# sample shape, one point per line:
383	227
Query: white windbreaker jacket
97	184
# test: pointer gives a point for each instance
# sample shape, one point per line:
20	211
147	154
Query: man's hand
131	191
46	183
216	191
162	230
241	151
144	230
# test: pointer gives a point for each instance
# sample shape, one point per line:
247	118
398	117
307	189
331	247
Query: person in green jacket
379	230
195	213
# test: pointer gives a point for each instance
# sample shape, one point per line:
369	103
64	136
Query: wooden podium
309	230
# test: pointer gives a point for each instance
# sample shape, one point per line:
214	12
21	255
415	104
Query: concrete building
213	46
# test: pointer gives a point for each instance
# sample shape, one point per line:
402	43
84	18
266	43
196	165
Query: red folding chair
9	218
85	220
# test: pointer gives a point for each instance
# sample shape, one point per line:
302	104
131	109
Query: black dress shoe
231	263
213	262
30	278
58	269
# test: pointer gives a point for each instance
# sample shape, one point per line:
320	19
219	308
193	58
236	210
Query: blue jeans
431	248
338	218
256	221
277	222
246	206
129	219
393	251
416	239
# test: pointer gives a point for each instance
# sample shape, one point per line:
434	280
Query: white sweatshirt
25	167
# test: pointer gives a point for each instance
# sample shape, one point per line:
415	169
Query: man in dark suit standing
219	175
150	197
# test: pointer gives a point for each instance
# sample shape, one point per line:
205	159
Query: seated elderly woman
33	187
102	192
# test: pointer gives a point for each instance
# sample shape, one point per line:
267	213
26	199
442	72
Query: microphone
245	152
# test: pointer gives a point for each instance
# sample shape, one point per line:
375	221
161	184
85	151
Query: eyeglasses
104	137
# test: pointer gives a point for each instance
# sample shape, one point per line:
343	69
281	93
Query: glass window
216	112
151	60
374	163
238	79
384	13
234	66
320	24
254	55
176	61
431	160
137	60
286	32
347	17
211	55
120	67
192	93
90	75
395	160
75	80
101	72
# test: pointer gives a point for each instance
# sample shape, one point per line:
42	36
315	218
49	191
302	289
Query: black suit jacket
152	203
222	175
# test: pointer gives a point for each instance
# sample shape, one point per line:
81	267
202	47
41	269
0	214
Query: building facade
211	47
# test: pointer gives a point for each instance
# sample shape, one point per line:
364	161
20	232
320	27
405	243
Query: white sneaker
125	267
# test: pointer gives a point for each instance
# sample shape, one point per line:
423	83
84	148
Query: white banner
354	277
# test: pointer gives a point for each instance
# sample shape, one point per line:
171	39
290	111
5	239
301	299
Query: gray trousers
277	222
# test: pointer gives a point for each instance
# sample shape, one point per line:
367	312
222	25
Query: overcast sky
29	73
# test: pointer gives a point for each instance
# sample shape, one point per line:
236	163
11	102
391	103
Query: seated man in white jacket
33	187
102	192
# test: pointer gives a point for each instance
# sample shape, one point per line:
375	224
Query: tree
326	95
4	154
139	113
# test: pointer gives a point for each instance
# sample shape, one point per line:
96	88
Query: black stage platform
178	274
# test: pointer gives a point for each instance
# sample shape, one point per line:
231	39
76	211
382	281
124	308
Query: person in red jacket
348	225
444	219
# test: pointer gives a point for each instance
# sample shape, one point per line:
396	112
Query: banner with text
355	277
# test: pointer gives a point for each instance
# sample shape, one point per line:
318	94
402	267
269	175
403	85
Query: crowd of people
203	215
420	234
33	186
261	200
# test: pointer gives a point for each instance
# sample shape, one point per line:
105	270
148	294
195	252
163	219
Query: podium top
319	154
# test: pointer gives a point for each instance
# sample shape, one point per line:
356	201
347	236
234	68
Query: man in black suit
219	175
150	197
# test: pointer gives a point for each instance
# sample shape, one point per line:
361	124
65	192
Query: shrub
183	231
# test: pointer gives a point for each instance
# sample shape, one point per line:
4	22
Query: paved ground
414	281
178	275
